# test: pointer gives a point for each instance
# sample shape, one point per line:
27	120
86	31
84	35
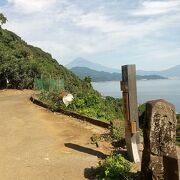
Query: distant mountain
98	76
80	62
171	72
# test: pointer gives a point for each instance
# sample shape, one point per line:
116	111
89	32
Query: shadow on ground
90	173
85	150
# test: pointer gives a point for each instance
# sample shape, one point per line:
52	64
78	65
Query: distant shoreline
137	80
147	90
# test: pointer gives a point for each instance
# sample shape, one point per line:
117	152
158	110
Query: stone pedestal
159	160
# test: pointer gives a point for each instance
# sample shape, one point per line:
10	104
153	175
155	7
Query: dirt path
39	145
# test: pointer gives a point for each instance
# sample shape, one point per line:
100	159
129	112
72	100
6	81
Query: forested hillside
20	63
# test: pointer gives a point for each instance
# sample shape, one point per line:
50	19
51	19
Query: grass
178	130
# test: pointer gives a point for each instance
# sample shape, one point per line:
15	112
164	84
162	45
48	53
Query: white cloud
66	29
99	21
113	33
58	50
157	7
29	6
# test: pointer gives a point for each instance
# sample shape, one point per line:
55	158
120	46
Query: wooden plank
131	71
126	111
132	93
128	86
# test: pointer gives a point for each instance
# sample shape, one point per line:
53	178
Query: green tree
87	82
3	19
87	79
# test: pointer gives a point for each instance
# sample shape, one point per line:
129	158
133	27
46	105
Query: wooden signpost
128	86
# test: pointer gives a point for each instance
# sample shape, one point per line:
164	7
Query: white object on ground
67	99
7	81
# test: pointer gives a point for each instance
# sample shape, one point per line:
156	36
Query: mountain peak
79	59
81	62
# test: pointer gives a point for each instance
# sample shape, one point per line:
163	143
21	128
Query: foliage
141	110
178	117
87	80
92	104
95	139
52	99
178	130
114	167
3	19
88	102
117	131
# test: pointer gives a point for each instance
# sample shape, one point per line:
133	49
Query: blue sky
109	32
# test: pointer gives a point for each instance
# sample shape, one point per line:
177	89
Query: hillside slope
20	63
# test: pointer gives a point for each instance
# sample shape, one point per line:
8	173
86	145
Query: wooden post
128	86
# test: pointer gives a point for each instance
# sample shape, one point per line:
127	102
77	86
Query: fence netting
48	84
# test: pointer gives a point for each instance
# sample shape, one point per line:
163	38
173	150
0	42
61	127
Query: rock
159	142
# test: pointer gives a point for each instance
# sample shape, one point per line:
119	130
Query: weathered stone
159	141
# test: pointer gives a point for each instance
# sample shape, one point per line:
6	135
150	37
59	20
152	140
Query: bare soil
37	144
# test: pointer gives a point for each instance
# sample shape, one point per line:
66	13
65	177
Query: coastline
168	89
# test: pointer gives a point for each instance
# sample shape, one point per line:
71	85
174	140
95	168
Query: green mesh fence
48	84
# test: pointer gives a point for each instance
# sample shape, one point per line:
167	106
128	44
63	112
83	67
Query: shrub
141	110
87	102
178	130
52	99
92	104
114	167
117	130
95	139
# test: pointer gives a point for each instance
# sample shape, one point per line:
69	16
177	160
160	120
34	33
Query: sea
168	89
